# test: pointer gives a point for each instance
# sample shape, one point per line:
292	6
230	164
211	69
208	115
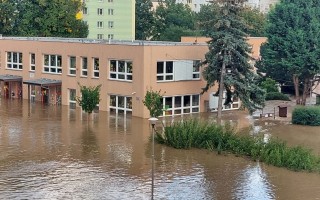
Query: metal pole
152	171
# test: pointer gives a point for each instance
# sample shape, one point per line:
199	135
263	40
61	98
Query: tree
90	97
7	16
255	21
153	102
293	46
227	64
144	19
47	18
171	16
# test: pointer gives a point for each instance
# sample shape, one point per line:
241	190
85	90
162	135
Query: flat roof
43	82
8	77
109	42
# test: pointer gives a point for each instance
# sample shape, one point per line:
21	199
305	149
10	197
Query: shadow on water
49	152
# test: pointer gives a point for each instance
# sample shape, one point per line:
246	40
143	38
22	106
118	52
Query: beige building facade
49	70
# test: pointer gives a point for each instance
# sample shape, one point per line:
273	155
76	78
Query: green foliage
277	96
255	22
144	19
269	85
7	16
44	18
153	102
228	47
306	116
292	52
196	134
172	16
90	97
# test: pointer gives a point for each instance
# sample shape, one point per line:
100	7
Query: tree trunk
296	88
306	90
221	90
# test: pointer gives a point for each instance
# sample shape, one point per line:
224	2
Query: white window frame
99	24
110	24
72	98
72	66
115	105
110	36
95	67
110	11
100	11
54	66
165	75
110	1
32	62
100	36
196	70
84	66
117	74
182	107
14	60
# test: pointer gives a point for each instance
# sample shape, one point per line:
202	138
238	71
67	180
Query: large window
72	98
121	70
96	67
120	104
84	66
52	64
178	105
14	60
72	65
100	11
178	70
32	62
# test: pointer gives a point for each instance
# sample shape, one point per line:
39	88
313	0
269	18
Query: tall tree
293	46
7	16
227	62
47	18
255	21
173	20
144	19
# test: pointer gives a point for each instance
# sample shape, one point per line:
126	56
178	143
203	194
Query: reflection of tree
89	142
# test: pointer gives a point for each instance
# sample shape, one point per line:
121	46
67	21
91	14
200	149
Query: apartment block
110	19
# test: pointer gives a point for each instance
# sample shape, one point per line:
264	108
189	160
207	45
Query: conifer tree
227	61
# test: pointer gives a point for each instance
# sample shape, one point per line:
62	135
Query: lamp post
152	121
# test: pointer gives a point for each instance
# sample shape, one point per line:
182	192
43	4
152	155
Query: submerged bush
277	96
204	135
307	115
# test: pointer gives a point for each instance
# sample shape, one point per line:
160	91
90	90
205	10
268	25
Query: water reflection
49	152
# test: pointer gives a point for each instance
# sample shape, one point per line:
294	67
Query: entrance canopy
43	82
10	78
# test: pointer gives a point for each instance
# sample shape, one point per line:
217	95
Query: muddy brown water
49	152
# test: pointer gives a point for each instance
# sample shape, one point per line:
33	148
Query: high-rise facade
110	19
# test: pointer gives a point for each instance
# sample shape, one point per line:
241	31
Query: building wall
121	13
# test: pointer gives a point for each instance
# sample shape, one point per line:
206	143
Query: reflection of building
110	19
50	70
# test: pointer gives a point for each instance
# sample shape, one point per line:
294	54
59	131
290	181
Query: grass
211	136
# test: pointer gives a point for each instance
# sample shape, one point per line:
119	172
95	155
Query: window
72	98
100	11
110	24
189	1
180	70
110	36
84	66
96	67
14	60
100	24
110	1
178	105
72	65
52	64
110	11
100	36
120	104
32	62
165	71
121	70
85	11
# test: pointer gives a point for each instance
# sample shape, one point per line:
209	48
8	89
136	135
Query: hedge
306	115
277	96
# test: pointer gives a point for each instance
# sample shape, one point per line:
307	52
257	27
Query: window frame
55	68
114	106
100	11
14	65
182	107
82	66
115	73
72	101
164	73
32	62
72	66
99	24
95	67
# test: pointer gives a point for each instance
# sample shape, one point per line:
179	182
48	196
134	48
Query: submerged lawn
205	135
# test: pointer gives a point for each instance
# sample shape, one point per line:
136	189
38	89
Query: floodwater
49	152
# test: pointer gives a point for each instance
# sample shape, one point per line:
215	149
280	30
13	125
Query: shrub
204	135
277	96
306	115
269	85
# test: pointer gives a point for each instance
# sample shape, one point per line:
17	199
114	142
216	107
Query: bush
204	135
306	115
269	85
277	96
